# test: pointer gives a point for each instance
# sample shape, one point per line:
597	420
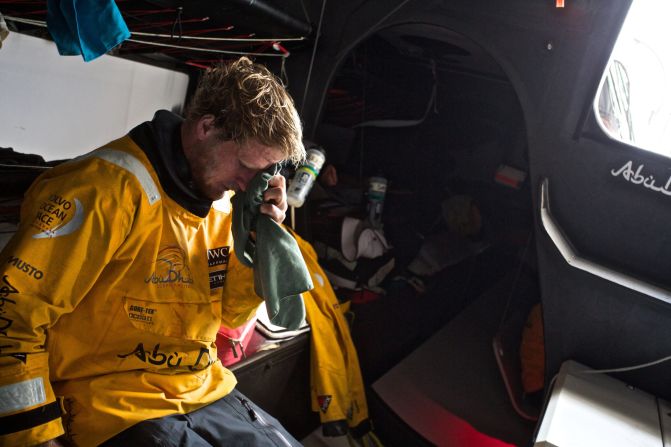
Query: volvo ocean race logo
171	268
58	216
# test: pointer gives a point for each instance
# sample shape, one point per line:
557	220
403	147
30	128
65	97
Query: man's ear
205	126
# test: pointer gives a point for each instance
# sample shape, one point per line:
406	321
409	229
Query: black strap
29	419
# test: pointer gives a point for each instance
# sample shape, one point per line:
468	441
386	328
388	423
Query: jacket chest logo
217	262
171	269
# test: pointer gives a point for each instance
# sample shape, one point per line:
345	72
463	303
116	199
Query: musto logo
58	216
22	265
171	268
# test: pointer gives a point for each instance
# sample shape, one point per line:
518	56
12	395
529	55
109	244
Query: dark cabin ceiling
275	26
389	75
449	50
160	27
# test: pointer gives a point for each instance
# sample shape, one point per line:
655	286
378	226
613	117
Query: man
121	272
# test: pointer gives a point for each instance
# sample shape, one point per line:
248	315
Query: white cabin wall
61	107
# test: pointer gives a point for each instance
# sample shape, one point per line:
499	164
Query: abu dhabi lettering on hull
638	177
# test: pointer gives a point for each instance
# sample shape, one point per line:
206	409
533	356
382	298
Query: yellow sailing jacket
336	388
111	295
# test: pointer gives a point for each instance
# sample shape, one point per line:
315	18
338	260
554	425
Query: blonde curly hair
249	102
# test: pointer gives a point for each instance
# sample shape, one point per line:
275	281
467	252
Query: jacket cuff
29	411
33	435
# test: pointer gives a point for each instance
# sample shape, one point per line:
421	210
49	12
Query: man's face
219	166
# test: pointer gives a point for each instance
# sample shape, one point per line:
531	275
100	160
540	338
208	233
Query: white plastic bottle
377	189
305	176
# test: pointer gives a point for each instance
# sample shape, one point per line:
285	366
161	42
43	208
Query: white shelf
591	410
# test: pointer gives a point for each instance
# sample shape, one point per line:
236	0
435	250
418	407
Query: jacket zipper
254	416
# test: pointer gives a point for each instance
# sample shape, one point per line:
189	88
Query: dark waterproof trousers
231	421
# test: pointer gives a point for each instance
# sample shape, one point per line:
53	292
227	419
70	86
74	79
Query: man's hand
275	199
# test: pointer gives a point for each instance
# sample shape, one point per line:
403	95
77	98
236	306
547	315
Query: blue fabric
87	27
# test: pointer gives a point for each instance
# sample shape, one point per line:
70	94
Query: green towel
280	274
